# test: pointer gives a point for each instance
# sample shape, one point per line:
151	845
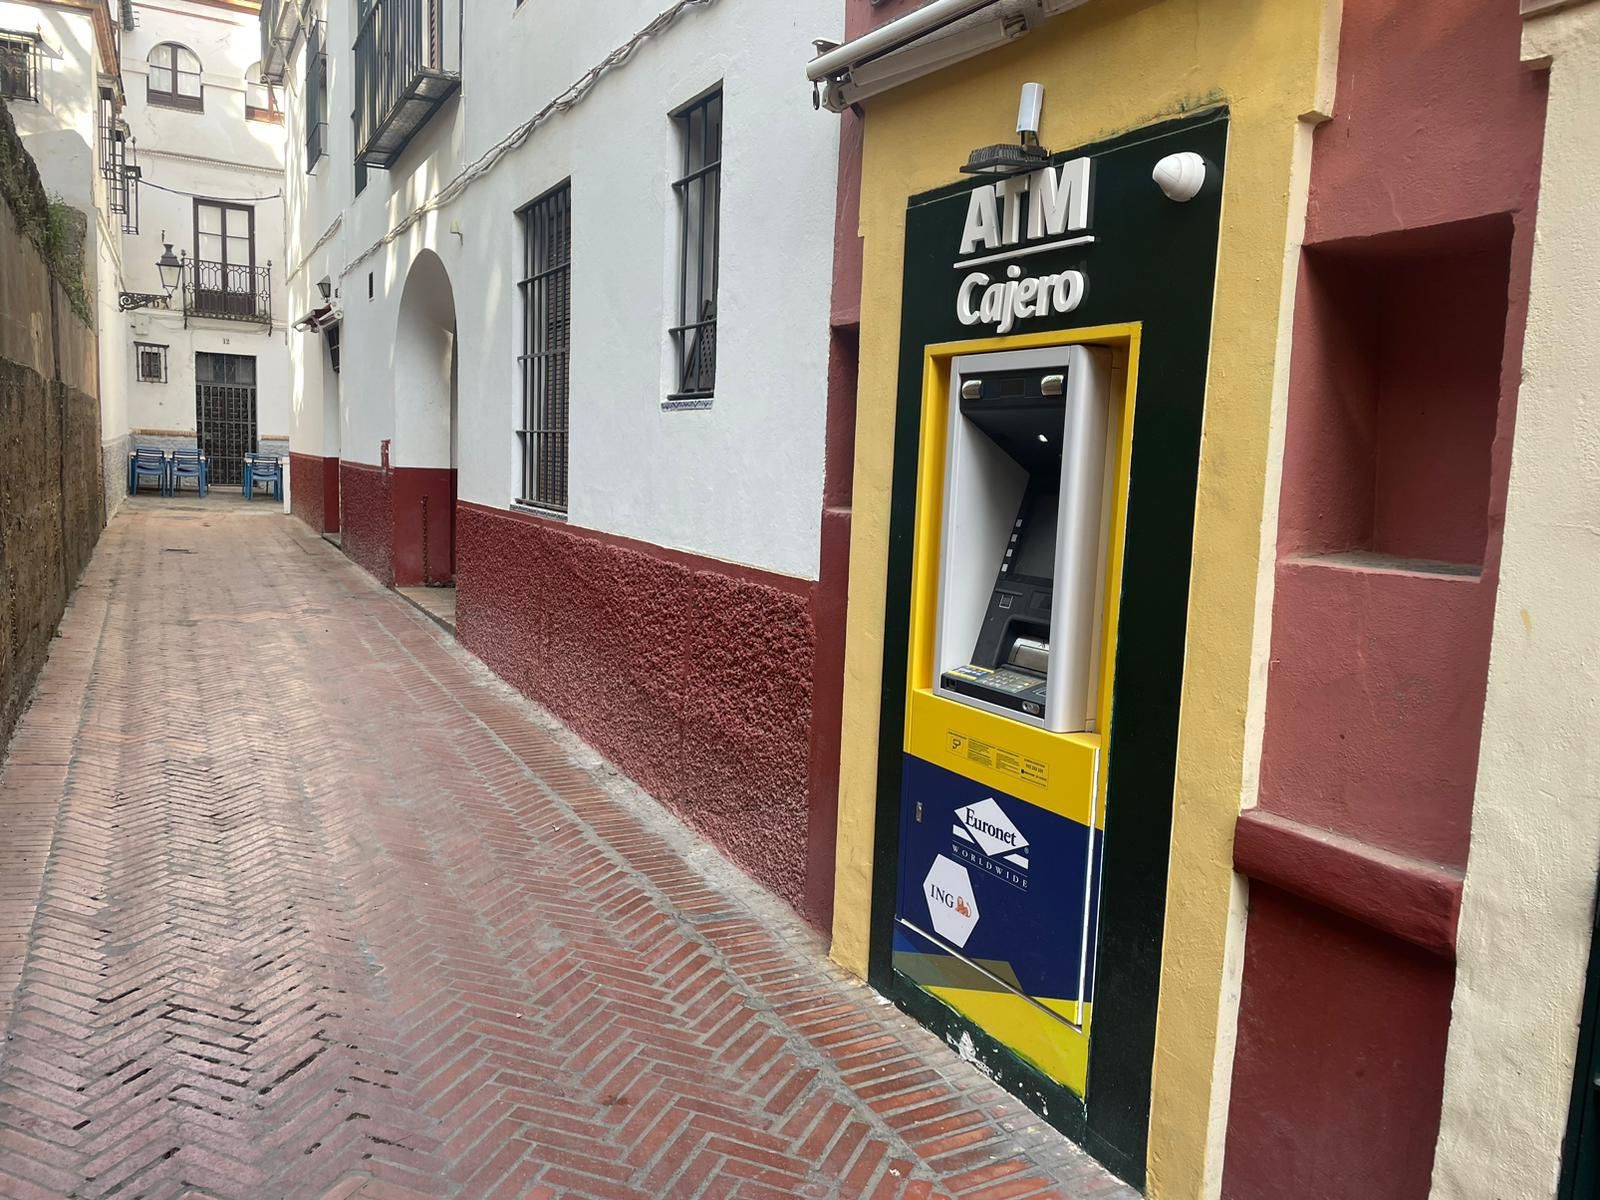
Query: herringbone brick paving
298	901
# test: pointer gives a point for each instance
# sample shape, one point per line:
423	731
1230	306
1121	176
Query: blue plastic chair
262	468
146	461
189	464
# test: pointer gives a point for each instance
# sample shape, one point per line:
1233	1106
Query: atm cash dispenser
1000	819
1025	514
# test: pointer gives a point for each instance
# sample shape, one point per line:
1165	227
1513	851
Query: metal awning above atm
935	36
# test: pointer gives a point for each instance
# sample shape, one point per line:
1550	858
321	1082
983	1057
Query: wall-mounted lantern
170	267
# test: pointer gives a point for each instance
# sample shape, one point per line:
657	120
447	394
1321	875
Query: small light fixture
1044	439
325	286
170	266
1005	158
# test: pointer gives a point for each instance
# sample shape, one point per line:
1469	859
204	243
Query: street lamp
170	266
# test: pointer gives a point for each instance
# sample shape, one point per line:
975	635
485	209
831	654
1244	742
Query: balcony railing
222	291
405	72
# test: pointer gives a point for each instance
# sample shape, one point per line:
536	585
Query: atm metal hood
935	36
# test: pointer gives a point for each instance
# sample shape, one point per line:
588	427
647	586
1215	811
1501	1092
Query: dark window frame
220	287
159	352
272	114
19	62
174	99
225	205
545	285
316	94
698	191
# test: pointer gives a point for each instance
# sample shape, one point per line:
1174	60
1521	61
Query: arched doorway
424	451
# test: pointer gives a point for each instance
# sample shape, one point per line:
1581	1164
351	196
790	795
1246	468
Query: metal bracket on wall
128	301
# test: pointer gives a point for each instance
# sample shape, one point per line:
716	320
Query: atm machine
1000	808
1023	535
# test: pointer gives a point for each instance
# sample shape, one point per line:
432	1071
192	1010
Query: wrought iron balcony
405	71
225	292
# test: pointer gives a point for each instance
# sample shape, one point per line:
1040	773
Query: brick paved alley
297	900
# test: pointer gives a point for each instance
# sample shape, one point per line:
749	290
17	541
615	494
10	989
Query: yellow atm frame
1061	773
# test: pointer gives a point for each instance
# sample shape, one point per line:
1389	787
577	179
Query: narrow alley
300	901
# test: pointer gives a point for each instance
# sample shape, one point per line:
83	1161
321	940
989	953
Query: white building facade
562	292
211	369
61	81
140	116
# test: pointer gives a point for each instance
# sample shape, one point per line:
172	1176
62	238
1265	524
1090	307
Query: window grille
19	66
699	193
173	80
316	91
546	288
129	188
151	360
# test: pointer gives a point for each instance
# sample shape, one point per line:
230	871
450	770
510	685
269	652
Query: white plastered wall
741	480
213	153
59	129
1528	908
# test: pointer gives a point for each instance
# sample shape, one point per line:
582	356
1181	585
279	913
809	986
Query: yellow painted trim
1074	772
1062	783
1058	1050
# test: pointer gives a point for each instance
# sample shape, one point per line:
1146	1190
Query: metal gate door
225	412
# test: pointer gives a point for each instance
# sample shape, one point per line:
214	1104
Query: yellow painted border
1076	756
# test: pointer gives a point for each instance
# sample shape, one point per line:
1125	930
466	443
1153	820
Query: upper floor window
19	67
260	98
699	192
174	78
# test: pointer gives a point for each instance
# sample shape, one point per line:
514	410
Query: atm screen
1036	549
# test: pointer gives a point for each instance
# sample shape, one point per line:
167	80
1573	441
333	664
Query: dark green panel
1153	261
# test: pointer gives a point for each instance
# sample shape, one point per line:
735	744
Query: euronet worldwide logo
986	826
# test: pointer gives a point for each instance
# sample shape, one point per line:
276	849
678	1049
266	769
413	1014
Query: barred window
174	78
316	93
19	67
699	192
546	289
151	358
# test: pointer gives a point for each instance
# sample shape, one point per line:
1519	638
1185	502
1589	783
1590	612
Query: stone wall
52	499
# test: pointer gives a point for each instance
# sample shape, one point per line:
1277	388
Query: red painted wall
314	491
330	495
1345	1032
693	676
424	525
368	529
1402	398
306	499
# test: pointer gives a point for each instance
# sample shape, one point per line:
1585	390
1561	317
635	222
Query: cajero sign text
1055	202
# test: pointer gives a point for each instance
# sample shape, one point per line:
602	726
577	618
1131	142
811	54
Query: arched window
260	98
174	78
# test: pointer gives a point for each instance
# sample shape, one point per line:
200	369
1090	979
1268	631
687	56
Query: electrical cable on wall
160	187
512	141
